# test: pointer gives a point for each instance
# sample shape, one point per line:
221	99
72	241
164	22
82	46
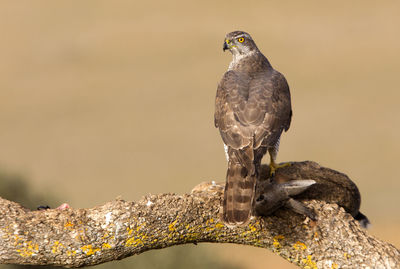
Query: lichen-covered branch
78	237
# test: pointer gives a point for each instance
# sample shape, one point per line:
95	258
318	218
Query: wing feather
248	110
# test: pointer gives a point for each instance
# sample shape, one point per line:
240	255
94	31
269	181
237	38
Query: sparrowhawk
252	108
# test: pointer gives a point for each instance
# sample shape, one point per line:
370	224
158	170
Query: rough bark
118	229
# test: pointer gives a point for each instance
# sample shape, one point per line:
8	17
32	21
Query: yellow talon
273	166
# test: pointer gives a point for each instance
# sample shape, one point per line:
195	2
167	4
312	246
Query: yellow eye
240	39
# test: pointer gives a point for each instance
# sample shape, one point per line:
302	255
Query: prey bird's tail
239	195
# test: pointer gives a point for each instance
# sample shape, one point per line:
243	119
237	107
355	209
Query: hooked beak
226	45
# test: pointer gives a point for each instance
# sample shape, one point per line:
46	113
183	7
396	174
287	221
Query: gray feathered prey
252	109
293	184
270	196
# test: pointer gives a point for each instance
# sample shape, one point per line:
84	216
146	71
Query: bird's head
239	43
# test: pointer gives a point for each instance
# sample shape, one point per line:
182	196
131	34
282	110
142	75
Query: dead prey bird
306	181
271	196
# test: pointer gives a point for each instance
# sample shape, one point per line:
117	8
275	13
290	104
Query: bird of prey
252	108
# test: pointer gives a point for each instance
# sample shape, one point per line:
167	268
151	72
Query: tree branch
118	229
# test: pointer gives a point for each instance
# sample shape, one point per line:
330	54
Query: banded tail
239	195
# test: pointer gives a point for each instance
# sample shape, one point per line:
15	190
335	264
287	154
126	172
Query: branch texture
118	229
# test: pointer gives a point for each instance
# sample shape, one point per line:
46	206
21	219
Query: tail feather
238	196
363	220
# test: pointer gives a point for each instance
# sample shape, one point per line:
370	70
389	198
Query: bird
252	109
289	187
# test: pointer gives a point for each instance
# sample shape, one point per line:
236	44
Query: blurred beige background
106	98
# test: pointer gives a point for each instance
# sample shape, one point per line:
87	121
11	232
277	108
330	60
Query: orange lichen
309	263
28	249
277	245
89	250
56	247
299	246
68	225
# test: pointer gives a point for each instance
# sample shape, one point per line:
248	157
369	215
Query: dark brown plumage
252	109
294	183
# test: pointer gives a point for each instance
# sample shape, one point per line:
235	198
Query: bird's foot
274	166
